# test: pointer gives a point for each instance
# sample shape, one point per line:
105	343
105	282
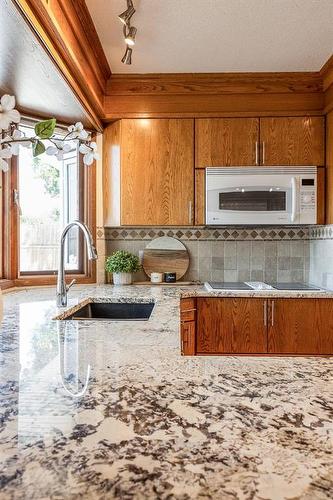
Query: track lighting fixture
129	31
127	59
125	17
130	35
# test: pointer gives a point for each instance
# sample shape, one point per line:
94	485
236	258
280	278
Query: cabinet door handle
265	312
272	316
257	153
190	212
263	152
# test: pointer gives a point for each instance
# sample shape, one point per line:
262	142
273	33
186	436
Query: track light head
125	16
129	34
127	59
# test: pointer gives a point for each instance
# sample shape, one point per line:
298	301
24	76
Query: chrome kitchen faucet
62	288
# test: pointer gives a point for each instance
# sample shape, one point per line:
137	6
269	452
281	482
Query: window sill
6	284
51	280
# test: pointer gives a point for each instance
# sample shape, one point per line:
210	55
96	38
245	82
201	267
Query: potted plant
122	264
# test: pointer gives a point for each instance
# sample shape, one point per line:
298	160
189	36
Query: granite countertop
201	291
98	409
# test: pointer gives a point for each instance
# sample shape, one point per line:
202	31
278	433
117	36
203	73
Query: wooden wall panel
329	168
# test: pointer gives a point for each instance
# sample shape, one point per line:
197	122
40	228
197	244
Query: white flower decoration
77	131
8	114
5	154
59	150
89	153
15	146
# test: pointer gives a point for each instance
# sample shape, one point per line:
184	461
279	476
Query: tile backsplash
238	253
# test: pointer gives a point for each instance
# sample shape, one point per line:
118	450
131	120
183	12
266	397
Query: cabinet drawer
188	308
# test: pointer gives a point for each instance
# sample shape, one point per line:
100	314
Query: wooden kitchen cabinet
223	142
231	325
188	326
157	172
292	141
265	326
300	326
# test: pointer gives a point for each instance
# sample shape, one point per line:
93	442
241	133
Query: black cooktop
292	286
226	285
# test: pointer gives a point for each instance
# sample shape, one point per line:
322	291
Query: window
39	196
50	197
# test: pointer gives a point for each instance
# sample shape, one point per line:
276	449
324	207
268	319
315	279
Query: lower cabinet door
187	334
231	325
300	326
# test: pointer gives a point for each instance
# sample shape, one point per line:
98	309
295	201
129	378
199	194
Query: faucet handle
71	284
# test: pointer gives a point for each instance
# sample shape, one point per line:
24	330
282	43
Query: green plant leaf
38	148
45	129
122	262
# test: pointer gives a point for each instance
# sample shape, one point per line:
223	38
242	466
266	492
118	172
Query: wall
225	254
321	256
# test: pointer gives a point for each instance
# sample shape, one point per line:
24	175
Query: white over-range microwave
273	195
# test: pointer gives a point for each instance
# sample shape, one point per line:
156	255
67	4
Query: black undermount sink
113	311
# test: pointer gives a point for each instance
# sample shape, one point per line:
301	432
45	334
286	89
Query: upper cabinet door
157	172
226	142
292	141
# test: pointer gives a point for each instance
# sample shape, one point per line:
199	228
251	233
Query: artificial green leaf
45	129
38	148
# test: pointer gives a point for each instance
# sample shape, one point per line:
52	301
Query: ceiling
185	36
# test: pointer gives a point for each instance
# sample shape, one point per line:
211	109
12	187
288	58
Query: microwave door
251	205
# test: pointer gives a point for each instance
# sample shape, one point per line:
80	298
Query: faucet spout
62	288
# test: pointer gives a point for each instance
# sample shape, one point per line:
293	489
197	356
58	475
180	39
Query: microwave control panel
308	194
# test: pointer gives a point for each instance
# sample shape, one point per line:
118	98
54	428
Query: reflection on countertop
111	409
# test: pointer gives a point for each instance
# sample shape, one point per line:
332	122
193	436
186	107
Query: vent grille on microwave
261	171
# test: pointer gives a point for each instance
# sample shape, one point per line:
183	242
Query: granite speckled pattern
100	410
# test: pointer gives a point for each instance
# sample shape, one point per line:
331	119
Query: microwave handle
293	199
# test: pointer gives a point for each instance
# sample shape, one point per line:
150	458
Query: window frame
10	237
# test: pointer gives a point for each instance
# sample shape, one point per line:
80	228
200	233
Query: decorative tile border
321	232
226	233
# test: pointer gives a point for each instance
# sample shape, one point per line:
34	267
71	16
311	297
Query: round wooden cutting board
165	254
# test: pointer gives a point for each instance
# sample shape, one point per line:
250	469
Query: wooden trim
6	284
214	83
200	196
162	106
321	202
10	240
326	73
51	280
328	100
73	45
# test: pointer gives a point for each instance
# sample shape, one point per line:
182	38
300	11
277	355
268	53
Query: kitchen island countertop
98	409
